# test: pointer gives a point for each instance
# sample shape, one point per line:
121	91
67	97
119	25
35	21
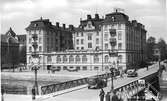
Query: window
82	47
77	59
119	26
64	68
82	41
106	36
77	47
106	59
40	48
58	59
119	46
97	34
71	59
119	35
120	58
30	32
77	41
89	37
49	59
96	68
106	46
77	34
105	27
64	59
40	39
96	59
89	45
97	41
84	68
81	34
89	25
30	49
30	40
84	59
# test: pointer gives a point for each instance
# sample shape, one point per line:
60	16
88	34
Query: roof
115	17
11	32
40	23
6	39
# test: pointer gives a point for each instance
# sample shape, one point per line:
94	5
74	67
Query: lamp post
158	54
112	54
35	67
112	75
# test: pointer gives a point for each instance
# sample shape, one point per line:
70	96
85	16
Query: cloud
149	12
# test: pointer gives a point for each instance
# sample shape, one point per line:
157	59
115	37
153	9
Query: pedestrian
2	93
147	67
102	93
107	97
115	97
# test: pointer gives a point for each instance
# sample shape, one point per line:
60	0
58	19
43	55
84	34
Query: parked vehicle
132	73
53	69
96	83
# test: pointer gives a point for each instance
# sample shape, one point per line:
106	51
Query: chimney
88	17
57	24
64	26
71	27
96	16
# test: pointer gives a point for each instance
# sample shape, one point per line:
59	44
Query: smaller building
9	49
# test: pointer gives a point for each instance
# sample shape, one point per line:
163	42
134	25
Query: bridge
126	88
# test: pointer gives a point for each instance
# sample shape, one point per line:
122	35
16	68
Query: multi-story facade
51	38
93	41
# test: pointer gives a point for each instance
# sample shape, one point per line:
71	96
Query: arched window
84	59
96	59
120	58
49	59
71	59
58	59
77	59
106	59
64	59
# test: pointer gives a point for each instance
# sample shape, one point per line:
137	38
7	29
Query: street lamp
157	53
35	59
112	75
112	54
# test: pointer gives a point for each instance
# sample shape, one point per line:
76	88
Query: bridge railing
69	84
130	89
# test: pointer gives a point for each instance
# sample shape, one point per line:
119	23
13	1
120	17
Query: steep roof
11	32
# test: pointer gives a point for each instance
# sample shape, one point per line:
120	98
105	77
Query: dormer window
35	25
113	18
89	25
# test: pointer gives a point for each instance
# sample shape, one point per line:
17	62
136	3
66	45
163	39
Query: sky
17	14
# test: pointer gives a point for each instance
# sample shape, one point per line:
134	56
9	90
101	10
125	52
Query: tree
163	48
150	48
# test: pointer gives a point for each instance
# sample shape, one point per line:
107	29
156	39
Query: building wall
51	38
130	44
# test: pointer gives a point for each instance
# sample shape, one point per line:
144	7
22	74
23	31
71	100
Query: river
21	86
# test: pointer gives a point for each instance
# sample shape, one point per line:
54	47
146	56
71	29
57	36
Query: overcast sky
18	13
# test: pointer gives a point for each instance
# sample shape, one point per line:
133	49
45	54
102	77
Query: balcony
112	32
113	41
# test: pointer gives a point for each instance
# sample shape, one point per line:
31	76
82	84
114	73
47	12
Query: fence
70	84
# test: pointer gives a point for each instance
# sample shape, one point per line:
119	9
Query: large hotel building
96	44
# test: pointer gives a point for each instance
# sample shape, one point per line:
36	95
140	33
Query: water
22	87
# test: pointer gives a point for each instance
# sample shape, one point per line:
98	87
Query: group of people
109	96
